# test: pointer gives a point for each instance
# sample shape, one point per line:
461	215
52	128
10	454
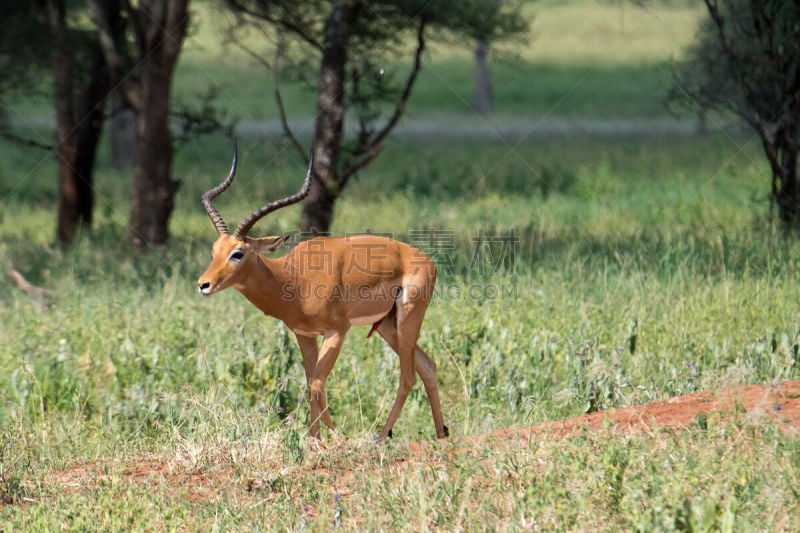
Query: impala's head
232	254
231	259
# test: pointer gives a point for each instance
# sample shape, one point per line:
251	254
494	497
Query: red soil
777	404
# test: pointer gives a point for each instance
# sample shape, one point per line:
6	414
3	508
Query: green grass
644	269
728	477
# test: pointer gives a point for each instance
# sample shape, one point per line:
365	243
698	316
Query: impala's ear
265	245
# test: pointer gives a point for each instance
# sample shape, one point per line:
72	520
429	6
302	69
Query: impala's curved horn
216	218
258	214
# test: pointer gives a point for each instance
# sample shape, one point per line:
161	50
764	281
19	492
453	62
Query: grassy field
612	272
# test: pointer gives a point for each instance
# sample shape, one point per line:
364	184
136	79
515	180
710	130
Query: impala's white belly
305	333
367	320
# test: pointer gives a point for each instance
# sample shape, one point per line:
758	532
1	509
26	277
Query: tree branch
289	25
364	123
253	54
400	108
25	141
274	68
733	62
39	293
281	109
354	168
136	25
372	148
106	37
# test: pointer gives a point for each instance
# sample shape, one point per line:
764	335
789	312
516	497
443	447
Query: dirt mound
777	404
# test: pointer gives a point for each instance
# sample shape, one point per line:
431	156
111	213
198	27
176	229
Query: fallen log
39	293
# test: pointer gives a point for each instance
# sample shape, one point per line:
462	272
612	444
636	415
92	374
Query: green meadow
578	271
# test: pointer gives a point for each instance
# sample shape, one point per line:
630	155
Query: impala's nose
204	286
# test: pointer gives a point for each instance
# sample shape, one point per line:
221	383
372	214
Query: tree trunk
66	141
317	215
483	102
788	195
318	206
152	187
76	138
89	130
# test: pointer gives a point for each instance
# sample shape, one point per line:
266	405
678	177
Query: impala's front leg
331	346
318	405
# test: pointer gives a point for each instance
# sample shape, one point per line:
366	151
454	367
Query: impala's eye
236	255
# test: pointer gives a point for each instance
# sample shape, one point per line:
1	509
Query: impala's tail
391	314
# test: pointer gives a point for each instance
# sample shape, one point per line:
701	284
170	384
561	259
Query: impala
322	288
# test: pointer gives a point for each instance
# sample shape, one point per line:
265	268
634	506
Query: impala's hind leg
422	364
426	369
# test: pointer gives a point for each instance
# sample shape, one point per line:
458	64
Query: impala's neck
264	287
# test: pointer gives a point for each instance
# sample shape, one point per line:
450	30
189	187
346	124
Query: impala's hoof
379	438
446	431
